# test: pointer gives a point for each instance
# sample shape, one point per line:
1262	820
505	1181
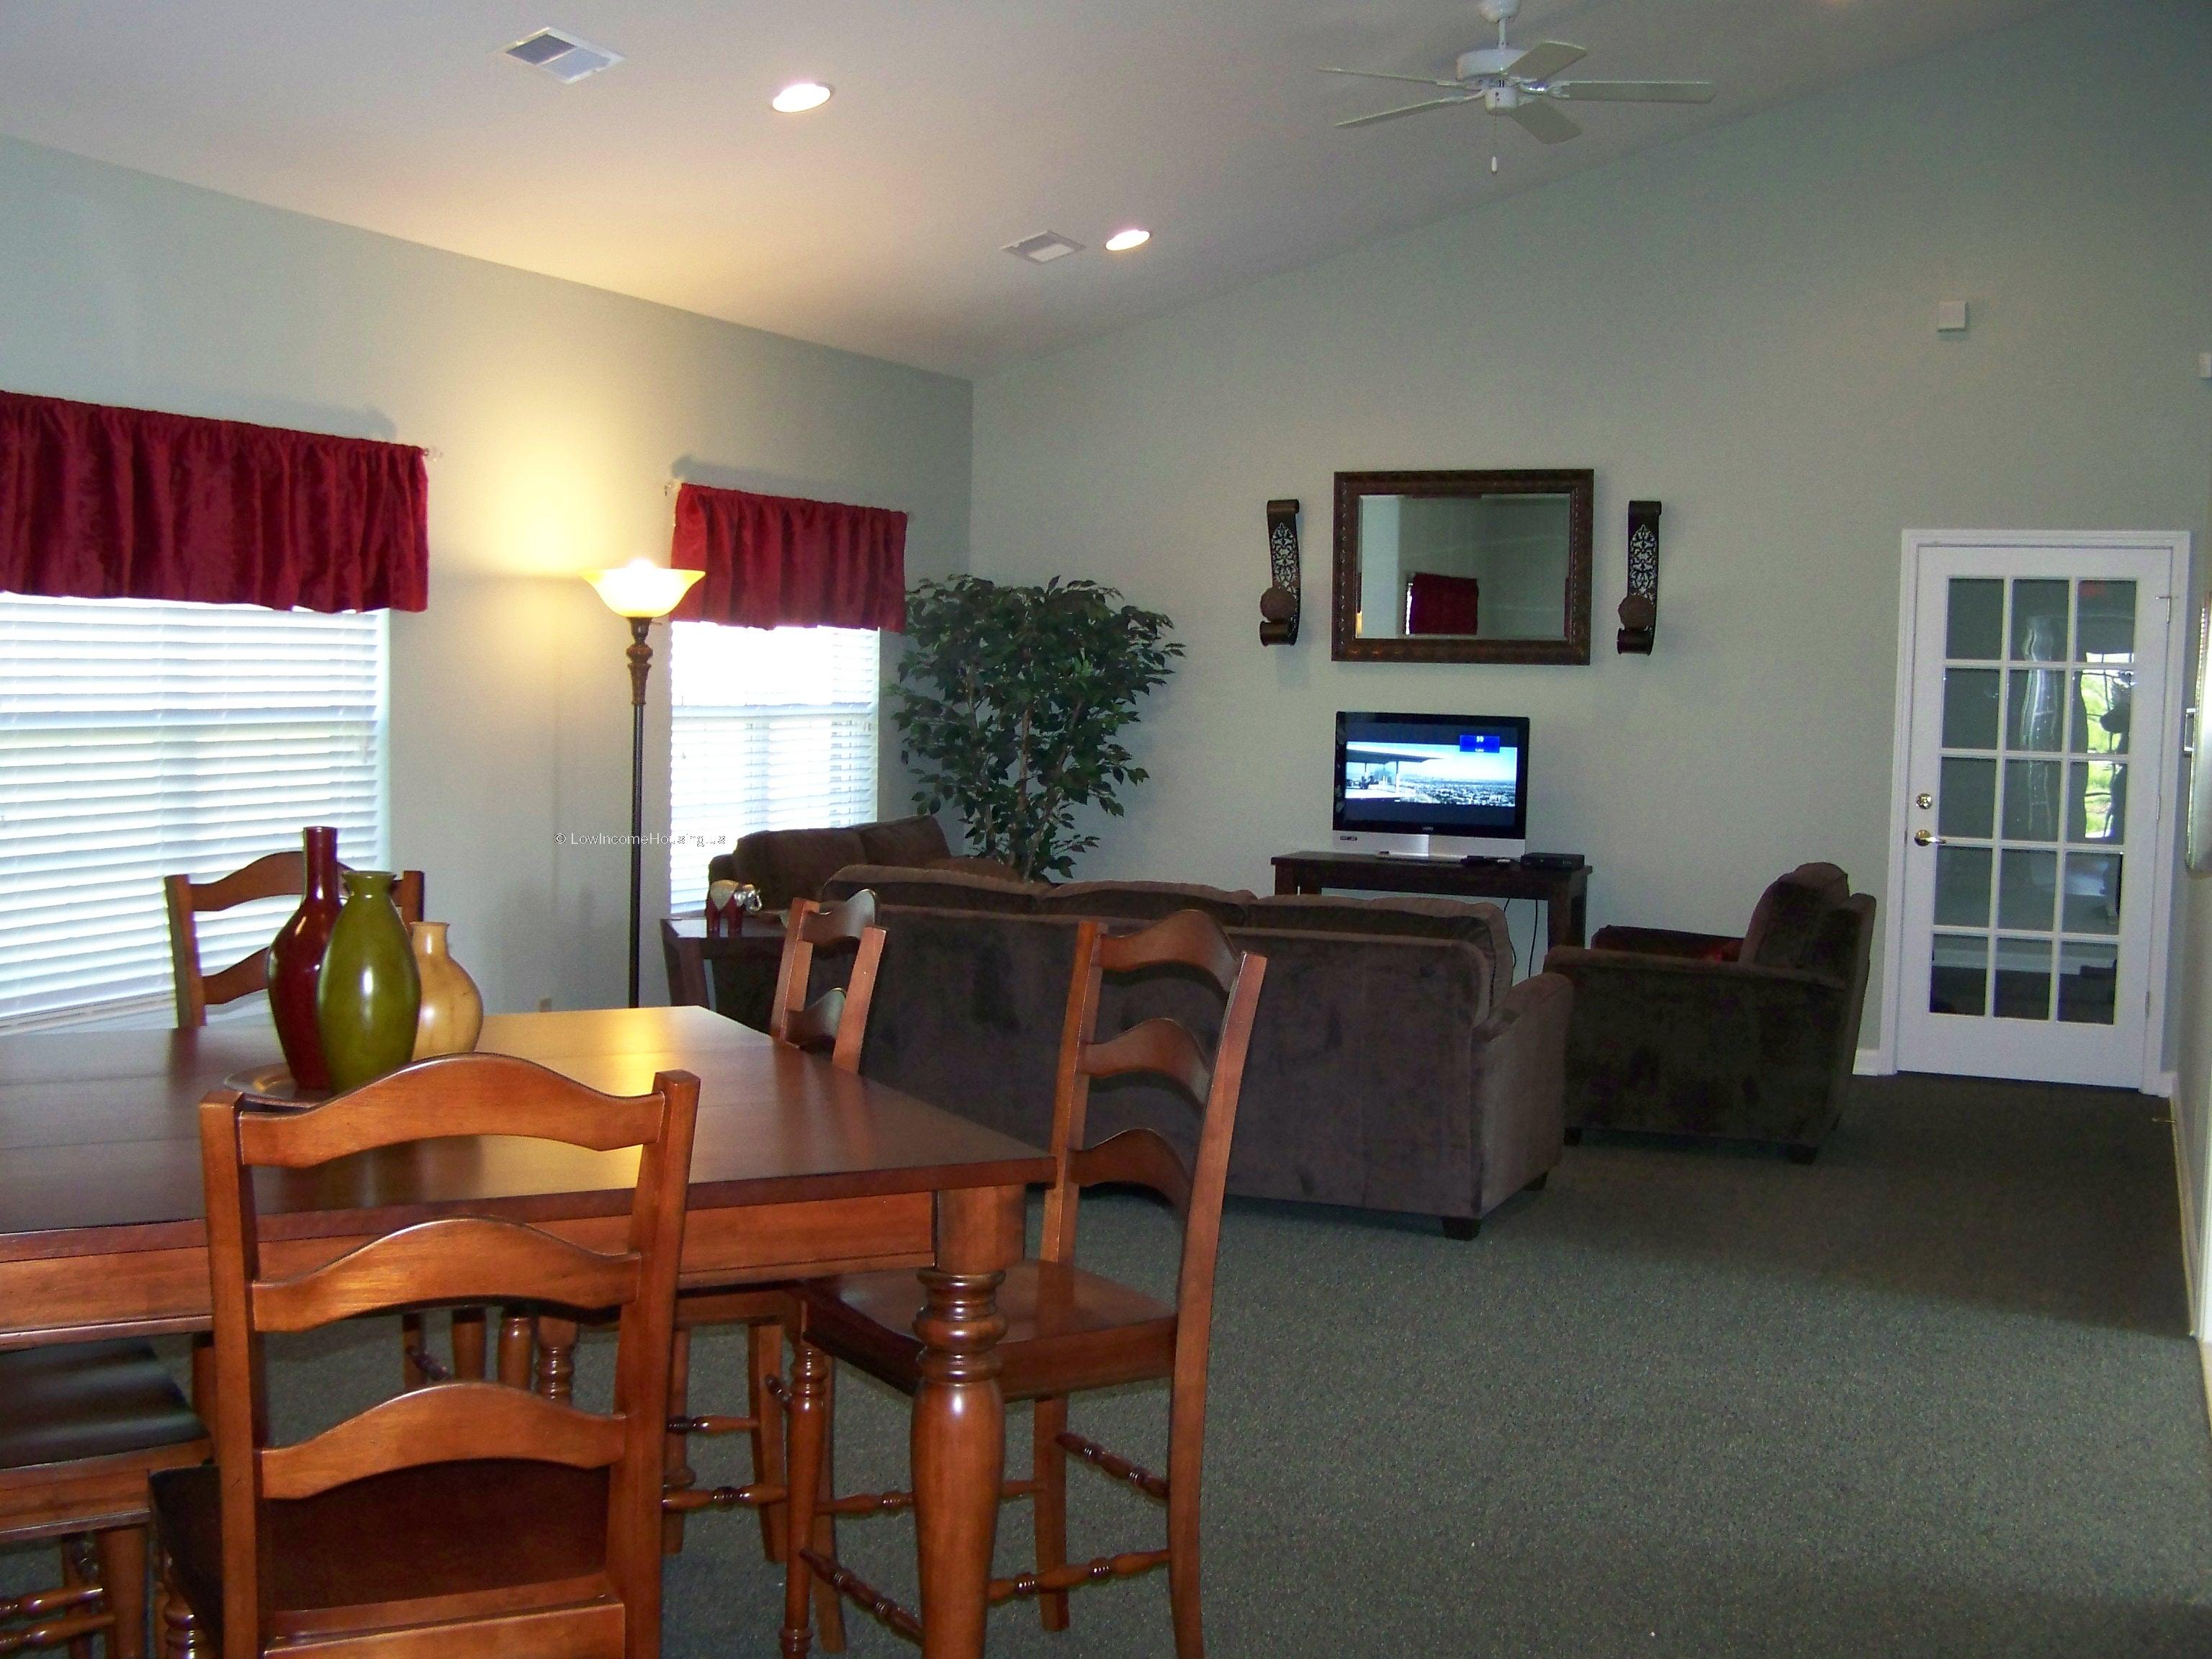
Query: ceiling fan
1517	83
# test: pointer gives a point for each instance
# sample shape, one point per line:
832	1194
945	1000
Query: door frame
2154	1077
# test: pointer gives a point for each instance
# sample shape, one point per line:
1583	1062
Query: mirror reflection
1482	567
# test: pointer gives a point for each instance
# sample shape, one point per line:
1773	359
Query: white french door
2034	816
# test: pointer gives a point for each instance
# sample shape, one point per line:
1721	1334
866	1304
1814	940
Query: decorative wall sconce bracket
1639	611
1279	604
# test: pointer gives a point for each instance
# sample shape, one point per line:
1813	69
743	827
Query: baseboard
1871	1063
2204	1354
2184	1180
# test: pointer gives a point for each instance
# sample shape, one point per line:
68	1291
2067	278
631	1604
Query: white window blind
774	729
140	739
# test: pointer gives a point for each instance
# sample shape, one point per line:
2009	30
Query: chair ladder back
1070	1095
273	875
838	1019
458	1259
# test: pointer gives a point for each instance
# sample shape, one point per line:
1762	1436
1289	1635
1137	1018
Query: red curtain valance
777	560
104	503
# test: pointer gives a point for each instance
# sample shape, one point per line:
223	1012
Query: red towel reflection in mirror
1440	605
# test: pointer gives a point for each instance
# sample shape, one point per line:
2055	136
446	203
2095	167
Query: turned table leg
959	1415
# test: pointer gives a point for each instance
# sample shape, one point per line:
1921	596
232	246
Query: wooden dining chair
1067	1330
273	875
836	1020
84	1427
465	1519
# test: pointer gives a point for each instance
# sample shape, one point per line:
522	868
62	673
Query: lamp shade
643	588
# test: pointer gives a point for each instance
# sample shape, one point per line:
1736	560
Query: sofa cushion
790	864
1787	919
1402	917
1142	901
916	841
941	889
975	866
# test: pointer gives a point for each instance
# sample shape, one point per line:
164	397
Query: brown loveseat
1739	1039
1394	1065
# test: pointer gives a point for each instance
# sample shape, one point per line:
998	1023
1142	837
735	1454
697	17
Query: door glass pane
1958	973
2108	621
2102	698
1968	804
1962	886
2030	886
2088	978
2093	893
2038	620
2023	977
2031	800
2096	800
2035	717
1975	628
1970	707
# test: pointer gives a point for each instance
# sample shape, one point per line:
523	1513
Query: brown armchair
1737	1039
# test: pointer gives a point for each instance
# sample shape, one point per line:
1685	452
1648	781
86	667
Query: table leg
959	1415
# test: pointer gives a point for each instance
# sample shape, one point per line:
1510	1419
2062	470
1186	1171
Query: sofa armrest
1520	1080
1668	942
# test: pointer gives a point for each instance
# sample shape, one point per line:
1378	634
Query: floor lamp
640	591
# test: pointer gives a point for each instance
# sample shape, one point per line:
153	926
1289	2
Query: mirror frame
1578	484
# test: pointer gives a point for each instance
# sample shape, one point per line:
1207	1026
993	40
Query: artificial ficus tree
1007	704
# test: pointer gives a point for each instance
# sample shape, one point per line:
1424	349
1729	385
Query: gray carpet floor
1933	1396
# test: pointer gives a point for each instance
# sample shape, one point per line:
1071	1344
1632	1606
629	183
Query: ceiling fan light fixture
799	97
1122	240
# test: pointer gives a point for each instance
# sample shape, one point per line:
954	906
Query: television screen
1441	774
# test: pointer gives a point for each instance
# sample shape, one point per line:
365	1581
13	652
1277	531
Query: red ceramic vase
295	961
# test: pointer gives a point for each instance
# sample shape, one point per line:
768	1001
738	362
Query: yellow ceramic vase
451	1014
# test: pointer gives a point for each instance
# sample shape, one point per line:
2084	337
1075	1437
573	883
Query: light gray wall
1740	325
561	412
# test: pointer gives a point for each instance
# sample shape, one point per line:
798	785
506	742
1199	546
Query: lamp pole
638	592
641	665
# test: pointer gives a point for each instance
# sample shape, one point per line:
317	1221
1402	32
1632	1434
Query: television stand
1566	893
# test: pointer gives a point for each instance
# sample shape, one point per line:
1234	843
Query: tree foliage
1007	703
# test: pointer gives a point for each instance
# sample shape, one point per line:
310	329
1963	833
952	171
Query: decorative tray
272	1085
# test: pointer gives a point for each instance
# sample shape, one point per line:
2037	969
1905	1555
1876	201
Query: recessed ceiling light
801	95
1122	240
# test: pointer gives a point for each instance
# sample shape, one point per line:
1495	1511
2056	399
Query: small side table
1566	893
685	947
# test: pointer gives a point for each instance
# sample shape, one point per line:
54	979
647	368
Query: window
140	739
774	729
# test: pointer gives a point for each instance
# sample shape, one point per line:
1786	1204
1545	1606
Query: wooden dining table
800	1169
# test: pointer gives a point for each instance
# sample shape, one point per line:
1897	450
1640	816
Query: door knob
1924	801
1925	838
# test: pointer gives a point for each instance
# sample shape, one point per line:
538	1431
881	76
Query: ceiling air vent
563	57
1044	247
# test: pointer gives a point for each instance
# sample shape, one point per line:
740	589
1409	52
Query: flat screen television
1441	785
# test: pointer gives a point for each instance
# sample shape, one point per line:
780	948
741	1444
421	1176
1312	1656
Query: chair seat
88	1399
471	1535
1066	1329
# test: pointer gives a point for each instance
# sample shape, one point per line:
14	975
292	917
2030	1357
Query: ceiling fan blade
1546	59
1636	92
1408	109
1372	74
1542	122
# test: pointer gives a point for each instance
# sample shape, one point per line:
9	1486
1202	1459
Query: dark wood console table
687	949
1566	893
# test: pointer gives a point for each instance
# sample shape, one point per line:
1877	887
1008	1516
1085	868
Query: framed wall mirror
1462	567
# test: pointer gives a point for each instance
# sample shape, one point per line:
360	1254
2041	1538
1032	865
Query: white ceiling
958	126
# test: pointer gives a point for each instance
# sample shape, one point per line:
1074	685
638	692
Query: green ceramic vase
370	990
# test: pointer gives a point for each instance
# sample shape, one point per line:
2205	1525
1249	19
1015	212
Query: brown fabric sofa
1394	1065
1739	1039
